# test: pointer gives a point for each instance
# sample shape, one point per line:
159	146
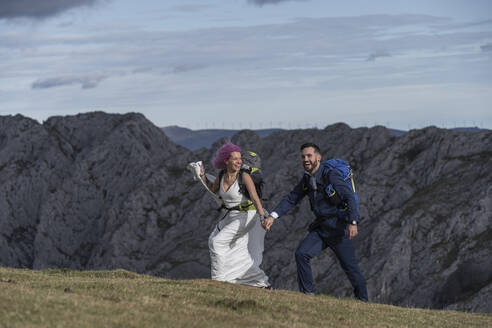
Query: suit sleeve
291	199
346	193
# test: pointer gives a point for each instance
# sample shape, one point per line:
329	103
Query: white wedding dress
237	242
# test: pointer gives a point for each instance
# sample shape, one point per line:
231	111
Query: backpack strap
245	206
242	185
326	177
329	192
305	182
221	174
258	182
352	179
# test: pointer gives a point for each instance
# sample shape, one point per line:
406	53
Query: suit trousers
342	246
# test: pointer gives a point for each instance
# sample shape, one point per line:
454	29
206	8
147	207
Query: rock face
426	206
96	191
99	191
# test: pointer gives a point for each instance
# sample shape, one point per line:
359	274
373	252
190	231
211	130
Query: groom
330	229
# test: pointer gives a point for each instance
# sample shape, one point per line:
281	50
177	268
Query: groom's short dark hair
313	145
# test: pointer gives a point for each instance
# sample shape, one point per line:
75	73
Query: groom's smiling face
310	159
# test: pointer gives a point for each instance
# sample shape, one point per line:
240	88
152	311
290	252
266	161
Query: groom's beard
310	165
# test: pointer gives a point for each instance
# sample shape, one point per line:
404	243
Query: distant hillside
196	139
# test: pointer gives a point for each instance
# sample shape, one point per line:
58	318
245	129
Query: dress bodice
233	196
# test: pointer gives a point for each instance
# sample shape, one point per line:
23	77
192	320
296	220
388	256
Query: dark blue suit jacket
321	208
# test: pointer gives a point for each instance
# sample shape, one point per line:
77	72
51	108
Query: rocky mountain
100	191
196	139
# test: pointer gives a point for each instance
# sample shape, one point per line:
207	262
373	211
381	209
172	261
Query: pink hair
223	154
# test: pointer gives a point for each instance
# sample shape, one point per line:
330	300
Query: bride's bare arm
214	187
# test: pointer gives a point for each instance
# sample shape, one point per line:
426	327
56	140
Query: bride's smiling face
234	162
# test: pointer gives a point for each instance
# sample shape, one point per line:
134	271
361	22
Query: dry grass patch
65	298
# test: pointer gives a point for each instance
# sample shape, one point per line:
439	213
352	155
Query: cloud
141	70
377	54
39	8
250	66
319	53
268	2
183	68
191	8
86	82
486	47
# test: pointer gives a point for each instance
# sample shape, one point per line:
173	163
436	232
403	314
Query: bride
237	242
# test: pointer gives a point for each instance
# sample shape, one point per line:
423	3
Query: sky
252	64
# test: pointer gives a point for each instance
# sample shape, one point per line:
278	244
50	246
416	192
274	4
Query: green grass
66	298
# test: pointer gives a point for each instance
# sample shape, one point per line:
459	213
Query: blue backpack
329	192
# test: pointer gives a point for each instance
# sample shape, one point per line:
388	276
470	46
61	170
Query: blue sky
251	63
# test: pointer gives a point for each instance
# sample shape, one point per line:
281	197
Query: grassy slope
119	298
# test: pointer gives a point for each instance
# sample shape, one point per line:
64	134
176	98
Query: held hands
267	223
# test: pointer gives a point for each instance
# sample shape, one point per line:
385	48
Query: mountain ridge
106	191
196	139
